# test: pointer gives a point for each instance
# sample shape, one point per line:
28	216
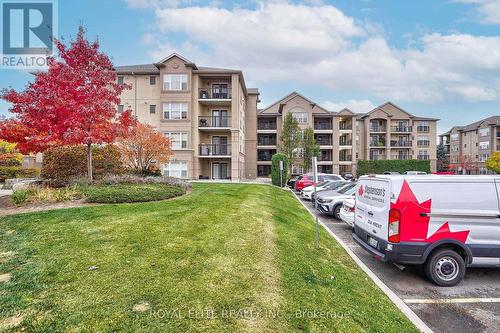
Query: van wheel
336	212
445	267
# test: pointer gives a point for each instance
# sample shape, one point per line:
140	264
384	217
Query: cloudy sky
438	58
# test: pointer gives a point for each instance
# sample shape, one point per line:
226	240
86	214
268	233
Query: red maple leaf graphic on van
415	222
361	190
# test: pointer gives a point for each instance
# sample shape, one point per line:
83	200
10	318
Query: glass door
219	145
220	91
219	170
220	118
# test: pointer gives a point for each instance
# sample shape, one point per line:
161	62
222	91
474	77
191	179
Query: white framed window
454	137
121	108
152	80
484	131
175	111
175	82
179	140
152	109
300	116
177	169
121	80
484	145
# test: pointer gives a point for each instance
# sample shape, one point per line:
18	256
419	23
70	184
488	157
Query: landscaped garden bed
228	257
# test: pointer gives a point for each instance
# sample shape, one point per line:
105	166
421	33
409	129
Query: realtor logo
28	28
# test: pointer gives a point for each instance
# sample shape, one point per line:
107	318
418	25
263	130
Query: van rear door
372	205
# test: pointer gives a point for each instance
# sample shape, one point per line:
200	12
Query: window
484	145
175	169
152	80
301	117
120	80
484	132
179	139
121	108
454	137
175	82
152	109
175	111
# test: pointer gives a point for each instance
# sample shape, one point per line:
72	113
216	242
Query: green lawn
225	258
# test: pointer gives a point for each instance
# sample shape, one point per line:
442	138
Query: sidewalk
5	192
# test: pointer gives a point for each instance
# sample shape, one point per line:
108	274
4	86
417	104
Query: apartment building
217	132
469	146
344	137
203	111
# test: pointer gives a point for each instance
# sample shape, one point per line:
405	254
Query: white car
309	190
347	211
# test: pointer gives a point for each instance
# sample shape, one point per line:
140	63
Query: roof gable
178	56
288	98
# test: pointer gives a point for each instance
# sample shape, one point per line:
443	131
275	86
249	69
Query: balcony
345	158
325	157
215	95
345	126
324	140
345	142
423	143
401	129
401	157
214	122
215	150
498	135
423	129
396	143
323	125
423	157
377	157
266	125
377	144
266	141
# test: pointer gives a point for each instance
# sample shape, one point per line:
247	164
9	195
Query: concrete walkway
5	192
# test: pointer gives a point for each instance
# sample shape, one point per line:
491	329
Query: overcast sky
437	58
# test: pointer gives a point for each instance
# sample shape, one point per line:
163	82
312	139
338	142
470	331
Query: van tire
445	267
336	211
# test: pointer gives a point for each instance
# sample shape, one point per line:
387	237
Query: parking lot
471	306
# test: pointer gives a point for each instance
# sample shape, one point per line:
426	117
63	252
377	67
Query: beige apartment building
217	132
469	146
202	110
344	137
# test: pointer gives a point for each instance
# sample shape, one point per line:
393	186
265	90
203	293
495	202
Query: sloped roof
289	97
137	69
493	120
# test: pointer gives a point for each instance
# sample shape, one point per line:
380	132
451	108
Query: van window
345	190
457	196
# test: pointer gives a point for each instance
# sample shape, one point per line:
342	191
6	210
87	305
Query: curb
412	316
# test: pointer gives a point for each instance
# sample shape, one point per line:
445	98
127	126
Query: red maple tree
73	102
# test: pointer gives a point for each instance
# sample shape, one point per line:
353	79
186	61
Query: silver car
330	202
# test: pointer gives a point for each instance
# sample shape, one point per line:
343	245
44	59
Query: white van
446	223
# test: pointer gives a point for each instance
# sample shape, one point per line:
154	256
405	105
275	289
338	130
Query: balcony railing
345	158
377	129
423	128
400	143
400	157
345	142
401	129
423	143
324	142
423	157
215	93
323	158
322	126
214	121
377	143
377	157
266	142
345	126
266	126
264	157
207	149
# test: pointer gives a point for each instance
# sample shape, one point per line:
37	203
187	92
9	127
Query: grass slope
226	258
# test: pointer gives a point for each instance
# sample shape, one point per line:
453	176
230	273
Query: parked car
292	181
330	202
308	191
348	176
347	211
307	180
445	223
391	173
415	173
335	186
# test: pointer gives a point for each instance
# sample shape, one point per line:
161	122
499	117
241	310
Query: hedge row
381	166
275	169
8	172
62	165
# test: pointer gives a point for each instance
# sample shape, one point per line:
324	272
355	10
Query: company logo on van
360	190
375	191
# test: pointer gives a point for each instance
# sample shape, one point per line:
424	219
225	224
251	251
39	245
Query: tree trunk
89	162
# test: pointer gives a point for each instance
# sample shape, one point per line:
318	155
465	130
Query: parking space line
450	300
400	304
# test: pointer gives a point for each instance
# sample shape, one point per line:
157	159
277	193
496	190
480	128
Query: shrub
62	165
378	167
128	193
19	197
275	169
134	179
7	172
493	162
